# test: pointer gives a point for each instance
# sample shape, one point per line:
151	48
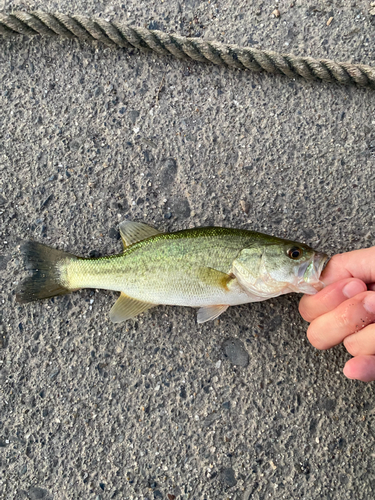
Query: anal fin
126	308
208	313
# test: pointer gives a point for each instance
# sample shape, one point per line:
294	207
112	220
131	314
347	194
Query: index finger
312	306
356	264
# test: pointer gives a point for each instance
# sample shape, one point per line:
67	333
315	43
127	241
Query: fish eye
295	252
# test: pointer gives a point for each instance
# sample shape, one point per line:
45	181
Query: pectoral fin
210	312
132	232
213	277
126	308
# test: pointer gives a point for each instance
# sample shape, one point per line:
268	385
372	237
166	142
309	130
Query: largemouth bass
210	268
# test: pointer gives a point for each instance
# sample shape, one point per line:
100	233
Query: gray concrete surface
154	409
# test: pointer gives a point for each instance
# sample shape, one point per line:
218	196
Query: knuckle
342	316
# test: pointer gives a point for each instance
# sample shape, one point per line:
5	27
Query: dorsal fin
132	232
126	308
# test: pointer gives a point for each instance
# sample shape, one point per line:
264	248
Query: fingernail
369	303
352	288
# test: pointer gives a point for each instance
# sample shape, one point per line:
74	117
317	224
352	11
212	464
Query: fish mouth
319	262
309	273
313	272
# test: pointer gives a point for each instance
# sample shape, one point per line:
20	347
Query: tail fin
46	280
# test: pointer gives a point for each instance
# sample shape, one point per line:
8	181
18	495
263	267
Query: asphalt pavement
160	407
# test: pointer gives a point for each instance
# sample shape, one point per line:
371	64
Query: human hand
344	311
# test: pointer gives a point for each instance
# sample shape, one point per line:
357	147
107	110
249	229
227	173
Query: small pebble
276	13
183	393
210	419
168	172
114	234
235	351
245	205
54	374
154	25
228	478
180	207
46	201
133	115
4	259
36	493
23	470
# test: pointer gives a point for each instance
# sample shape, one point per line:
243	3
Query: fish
209	268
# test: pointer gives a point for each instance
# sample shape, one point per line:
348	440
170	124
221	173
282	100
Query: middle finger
312	306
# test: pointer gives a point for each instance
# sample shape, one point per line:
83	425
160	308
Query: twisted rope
124	35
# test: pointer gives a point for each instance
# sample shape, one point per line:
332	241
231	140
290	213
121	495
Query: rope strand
126	36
